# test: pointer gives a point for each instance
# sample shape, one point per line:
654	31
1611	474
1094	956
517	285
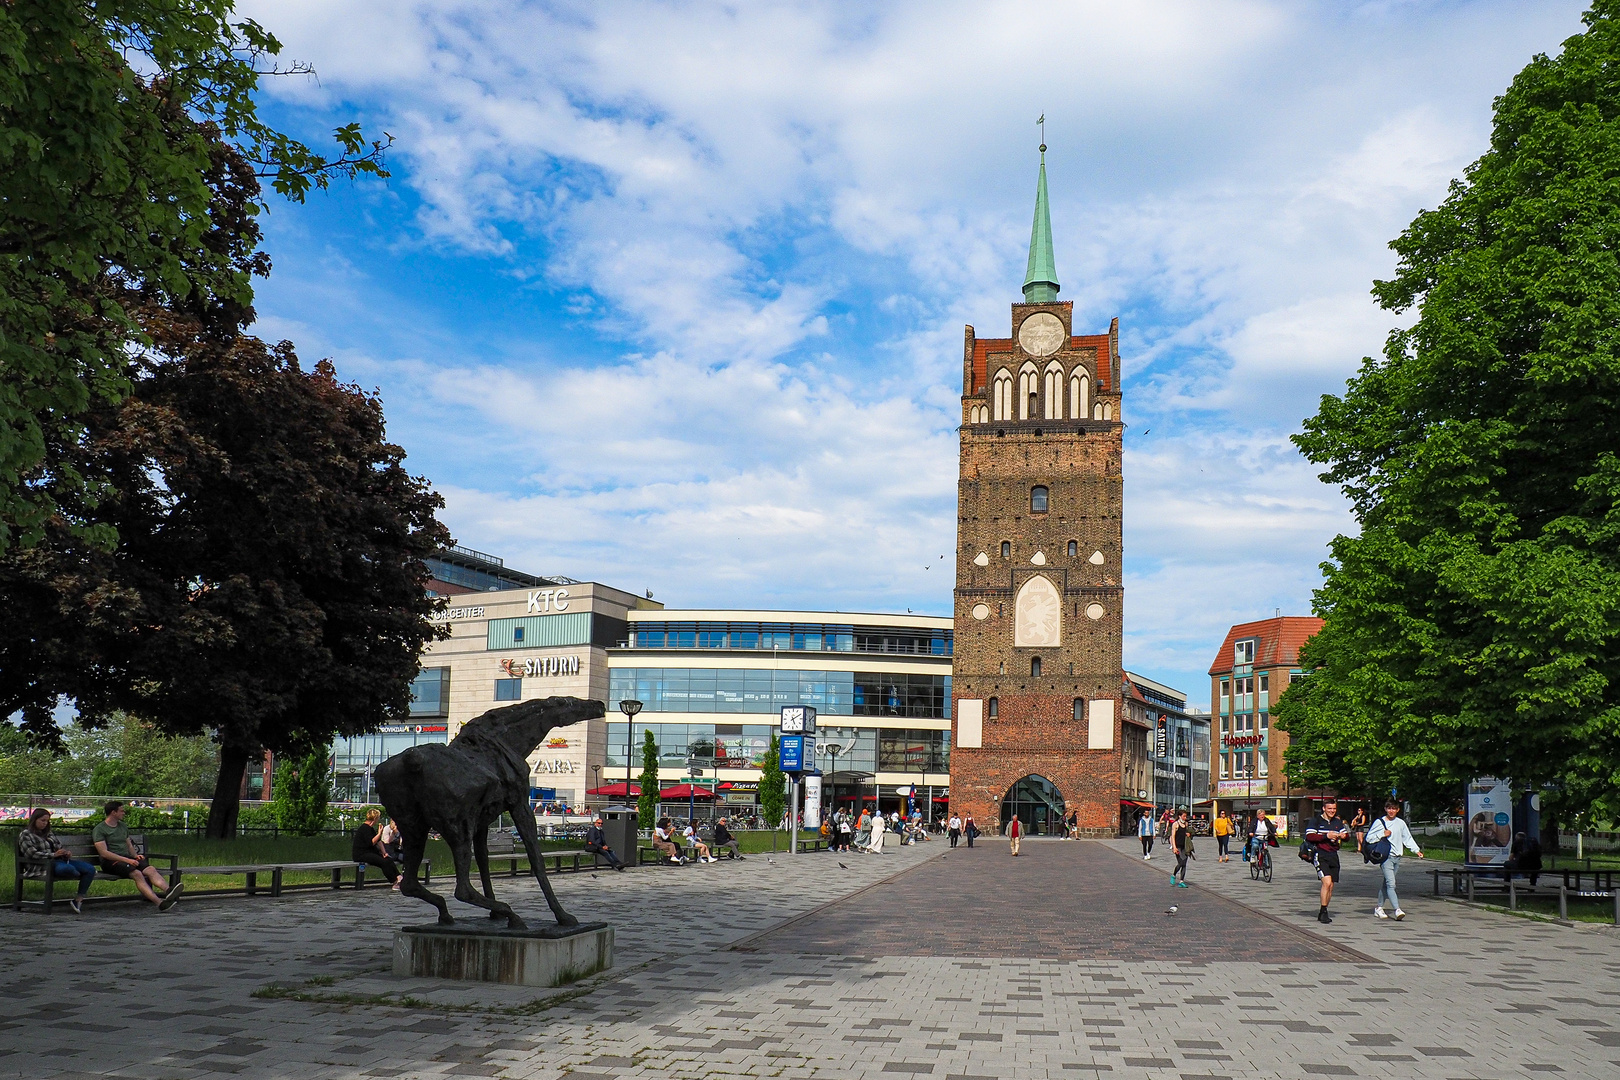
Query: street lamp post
596	770
628	706
833	750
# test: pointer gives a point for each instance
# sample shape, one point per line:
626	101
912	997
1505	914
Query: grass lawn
1587	911
195	851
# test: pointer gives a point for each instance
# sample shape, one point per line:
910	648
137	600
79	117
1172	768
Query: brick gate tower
1037	674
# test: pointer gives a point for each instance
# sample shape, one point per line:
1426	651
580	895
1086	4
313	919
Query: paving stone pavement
1450	992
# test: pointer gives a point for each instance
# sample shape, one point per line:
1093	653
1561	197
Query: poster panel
1227	789
1488	821
812	802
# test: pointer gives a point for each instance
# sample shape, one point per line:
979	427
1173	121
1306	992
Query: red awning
1133	802
616	790
686	791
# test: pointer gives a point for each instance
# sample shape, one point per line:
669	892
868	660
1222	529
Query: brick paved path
1455	992
1056	900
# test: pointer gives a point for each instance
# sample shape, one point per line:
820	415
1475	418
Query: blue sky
671	296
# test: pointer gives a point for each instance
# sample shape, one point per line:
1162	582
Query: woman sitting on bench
367	847
37	842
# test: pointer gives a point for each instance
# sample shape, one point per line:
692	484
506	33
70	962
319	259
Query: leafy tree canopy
109	111
1473	627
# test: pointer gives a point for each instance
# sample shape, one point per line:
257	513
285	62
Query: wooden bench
80	847
1466	880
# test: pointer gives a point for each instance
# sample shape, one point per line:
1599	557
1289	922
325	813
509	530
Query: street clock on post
798	720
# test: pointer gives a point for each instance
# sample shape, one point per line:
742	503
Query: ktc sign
541	666
548	600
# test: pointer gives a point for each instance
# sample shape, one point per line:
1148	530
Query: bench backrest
80	846
500	842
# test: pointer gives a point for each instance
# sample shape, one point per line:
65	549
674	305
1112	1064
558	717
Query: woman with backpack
1386	840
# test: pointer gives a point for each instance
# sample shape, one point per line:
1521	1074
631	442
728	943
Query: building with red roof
1256	663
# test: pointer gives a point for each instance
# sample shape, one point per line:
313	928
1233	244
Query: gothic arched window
1079	395
1028	391
1054	392
1037	499
1003	395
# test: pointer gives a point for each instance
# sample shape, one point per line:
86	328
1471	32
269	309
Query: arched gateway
1036	802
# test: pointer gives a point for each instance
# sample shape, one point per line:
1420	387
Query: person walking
1015	832
1358	825
1074	824
1144	833
954	827
1399	835
1325	833
970	830
1223	836
1181	845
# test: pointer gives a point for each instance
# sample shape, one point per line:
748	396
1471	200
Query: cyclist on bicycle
1262	834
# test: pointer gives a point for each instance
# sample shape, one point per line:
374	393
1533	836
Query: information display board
1488	821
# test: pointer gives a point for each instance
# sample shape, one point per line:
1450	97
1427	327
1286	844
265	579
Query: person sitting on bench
120	859
699	849
37	842
723	839
596	843
663	841
367	847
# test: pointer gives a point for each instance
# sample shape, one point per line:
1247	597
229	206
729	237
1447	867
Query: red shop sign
1241	740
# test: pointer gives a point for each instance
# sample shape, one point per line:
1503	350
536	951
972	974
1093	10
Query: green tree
647	801
129	756
267	582
106	113
27	769
772	786
300	792
1473	625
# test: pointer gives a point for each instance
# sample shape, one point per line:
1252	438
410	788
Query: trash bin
621	823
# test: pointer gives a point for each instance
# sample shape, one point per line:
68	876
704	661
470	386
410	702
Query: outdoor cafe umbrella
616	790
685	791
689	792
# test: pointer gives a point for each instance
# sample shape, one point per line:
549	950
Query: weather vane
1042	122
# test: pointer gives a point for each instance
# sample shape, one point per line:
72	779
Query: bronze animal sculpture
462	787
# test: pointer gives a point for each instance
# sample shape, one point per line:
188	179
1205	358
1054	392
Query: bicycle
1260	862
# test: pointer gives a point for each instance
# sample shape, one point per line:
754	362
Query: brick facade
1076	458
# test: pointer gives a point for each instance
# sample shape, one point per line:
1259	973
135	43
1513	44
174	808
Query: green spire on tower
1040	282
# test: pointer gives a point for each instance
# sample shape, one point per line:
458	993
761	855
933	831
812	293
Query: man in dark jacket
596	843
1324	834
724	839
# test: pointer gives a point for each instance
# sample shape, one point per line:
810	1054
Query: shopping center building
712	685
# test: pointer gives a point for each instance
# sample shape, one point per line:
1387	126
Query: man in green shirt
119	858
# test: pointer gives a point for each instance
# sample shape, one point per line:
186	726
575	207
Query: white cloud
765	225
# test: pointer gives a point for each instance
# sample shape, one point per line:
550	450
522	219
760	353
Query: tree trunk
1549	830
227	804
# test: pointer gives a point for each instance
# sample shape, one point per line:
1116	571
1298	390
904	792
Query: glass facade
751	690
790	637
430	693
743	746
354	759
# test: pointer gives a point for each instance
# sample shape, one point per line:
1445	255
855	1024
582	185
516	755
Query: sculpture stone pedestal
548	956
